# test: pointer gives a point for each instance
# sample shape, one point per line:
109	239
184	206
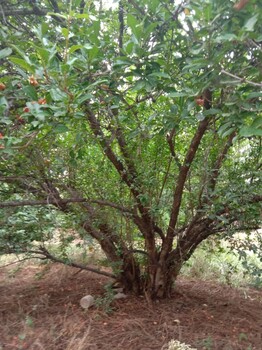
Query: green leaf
177	94
159	75
30	91
253	95
249	25
84	98
72	61
5	52
43	53
224	127
228	132
3	101
257	123
212	111
58	95
75	47
139	85
22	63
129	46
21	53
55	14
3	107
123	62
93	53
44	28
247	131
225	37
149	29
65	32
94	35
60	128
81	15
200	116
134	25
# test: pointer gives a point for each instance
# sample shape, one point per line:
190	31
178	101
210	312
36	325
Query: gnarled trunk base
157	285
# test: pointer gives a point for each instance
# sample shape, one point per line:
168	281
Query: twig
32	136
21	260
242	80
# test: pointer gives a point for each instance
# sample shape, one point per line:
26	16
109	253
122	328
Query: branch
64	201
178	193
106	239
54	5
82	6
128	172
137	7
121	25
112	205
22	183
165	180
203	125
131	170
25	12
184	172
241	80
51	257
19	261
40	202
170	142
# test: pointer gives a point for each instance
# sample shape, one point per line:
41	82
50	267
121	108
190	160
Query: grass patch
223	265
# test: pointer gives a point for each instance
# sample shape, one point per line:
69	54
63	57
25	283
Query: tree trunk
130	276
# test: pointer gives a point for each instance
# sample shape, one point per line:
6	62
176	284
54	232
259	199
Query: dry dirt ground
39	310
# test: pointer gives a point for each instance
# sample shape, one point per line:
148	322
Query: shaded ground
44	313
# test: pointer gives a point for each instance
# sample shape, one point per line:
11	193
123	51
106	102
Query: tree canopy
139	121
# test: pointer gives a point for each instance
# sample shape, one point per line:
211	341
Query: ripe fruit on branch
2	87
32	80
42	101
26	109
199	101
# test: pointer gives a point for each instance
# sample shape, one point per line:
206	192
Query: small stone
87	301
120	296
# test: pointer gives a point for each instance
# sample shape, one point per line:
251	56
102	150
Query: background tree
140	122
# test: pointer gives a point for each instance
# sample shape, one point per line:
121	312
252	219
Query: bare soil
40	310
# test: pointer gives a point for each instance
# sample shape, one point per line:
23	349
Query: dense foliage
138	121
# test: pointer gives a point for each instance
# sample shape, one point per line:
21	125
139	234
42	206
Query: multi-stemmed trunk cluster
164	264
